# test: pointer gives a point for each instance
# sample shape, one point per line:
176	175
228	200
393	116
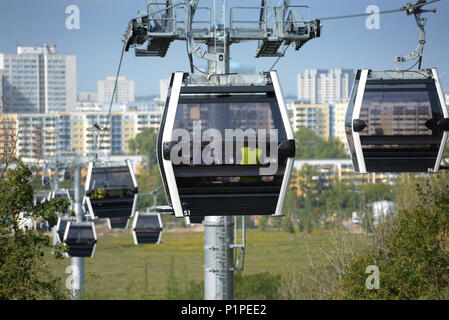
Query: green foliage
23	271
175	290
301	225
411	252
311	146
261	286
145	144
262	223
309	225
148	181
287	224
377	192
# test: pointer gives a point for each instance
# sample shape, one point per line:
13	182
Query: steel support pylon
218	230
77	263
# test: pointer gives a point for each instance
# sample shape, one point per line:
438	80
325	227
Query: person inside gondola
250	156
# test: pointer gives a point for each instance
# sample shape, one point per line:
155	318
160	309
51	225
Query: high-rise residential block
38	80
124	93
40	135
324	86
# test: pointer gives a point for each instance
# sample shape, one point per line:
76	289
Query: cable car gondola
59	194
81	239
119	222
61	226
238	185
111	191
397	121
147	228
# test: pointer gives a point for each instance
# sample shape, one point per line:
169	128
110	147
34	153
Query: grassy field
122	270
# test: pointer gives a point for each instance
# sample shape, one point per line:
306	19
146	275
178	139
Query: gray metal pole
77	292
55	187
218	231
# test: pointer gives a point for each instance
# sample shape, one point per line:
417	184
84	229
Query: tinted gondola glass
80	239
110	191
398	125
147	228
244	118
60	194
120	222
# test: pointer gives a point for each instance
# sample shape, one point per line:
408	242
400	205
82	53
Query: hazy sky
343	44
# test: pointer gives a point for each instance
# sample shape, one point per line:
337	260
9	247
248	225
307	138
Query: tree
23	272
150	179
287	224
145	144
309	225
311	146
377	192
410	251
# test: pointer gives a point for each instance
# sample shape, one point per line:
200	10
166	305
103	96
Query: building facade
38	80
124	93
338	121
37	135
324	86
316	117
87	97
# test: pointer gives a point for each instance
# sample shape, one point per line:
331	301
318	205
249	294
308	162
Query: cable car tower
275	29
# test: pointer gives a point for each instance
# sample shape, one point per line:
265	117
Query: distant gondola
111	191
147	228
397	121
80	238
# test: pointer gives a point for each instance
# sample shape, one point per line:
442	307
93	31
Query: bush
411	251
287	225
261	286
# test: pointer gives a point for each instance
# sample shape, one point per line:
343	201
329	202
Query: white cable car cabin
147	228
80	238
396	121
111	191
239	184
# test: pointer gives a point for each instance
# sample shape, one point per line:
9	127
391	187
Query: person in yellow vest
100	194
250	156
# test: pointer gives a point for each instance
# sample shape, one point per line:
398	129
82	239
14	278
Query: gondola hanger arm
191	7
415	10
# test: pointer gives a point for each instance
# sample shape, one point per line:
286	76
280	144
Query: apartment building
37	79
124	93
37	135
316	117
324	86
338	112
